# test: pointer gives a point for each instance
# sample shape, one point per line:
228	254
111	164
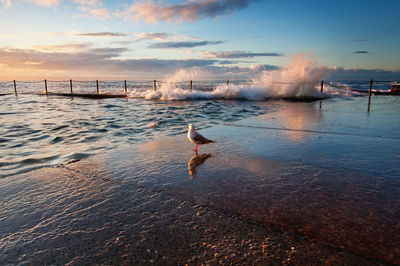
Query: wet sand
298	186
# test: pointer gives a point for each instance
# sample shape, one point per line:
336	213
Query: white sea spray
301	78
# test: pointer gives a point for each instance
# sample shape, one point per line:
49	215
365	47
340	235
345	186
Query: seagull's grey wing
199	138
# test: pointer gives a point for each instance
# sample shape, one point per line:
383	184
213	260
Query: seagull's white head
190	126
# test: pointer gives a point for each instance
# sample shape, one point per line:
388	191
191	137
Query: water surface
40	131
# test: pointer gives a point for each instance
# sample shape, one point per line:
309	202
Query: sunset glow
87	39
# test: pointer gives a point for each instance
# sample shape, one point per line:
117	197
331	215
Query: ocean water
323	173
38	131
325	168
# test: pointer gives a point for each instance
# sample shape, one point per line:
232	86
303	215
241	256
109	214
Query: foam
301	78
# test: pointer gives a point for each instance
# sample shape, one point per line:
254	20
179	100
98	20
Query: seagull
196	138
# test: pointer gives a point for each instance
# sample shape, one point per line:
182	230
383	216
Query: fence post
227	83
15	88
45	86
155	85
322	85
191	85
125	89
70	86
369	94
97	86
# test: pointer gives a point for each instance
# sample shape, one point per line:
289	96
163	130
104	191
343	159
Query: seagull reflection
196	161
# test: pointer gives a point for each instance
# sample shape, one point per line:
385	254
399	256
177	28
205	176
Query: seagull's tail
211	141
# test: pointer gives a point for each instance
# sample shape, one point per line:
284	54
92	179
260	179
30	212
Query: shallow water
327	173
330	174
38	131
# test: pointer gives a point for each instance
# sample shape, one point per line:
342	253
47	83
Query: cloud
163	36
58	60
159	36
360	52
263	67
107	51
101	34
93	8
82	60
5	3
100	13
236	54
104	63
46	3
227	62
121	42
88	2
192	10
65	48
89	62
359	74
168	45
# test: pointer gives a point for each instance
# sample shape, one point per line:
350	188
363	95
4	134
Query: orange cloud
5	3
152	12
46	3
93	8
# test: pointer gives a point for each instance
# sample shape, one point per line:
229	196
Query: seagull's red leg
196	148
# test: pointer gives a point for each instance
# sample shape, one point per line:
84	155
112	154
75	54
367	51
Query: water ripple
67	128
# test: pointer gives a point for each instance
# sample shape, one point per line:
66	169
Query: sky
125	39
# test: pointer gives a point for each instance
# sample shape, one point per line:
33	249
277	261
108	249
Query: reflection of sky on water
307	188
328	183
293	117
321	178
38	131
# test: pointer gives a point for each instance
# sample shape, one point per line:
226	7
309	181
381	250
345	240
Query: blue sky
84	38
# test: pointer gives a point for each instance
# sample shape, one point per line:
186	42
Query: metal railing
117	88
